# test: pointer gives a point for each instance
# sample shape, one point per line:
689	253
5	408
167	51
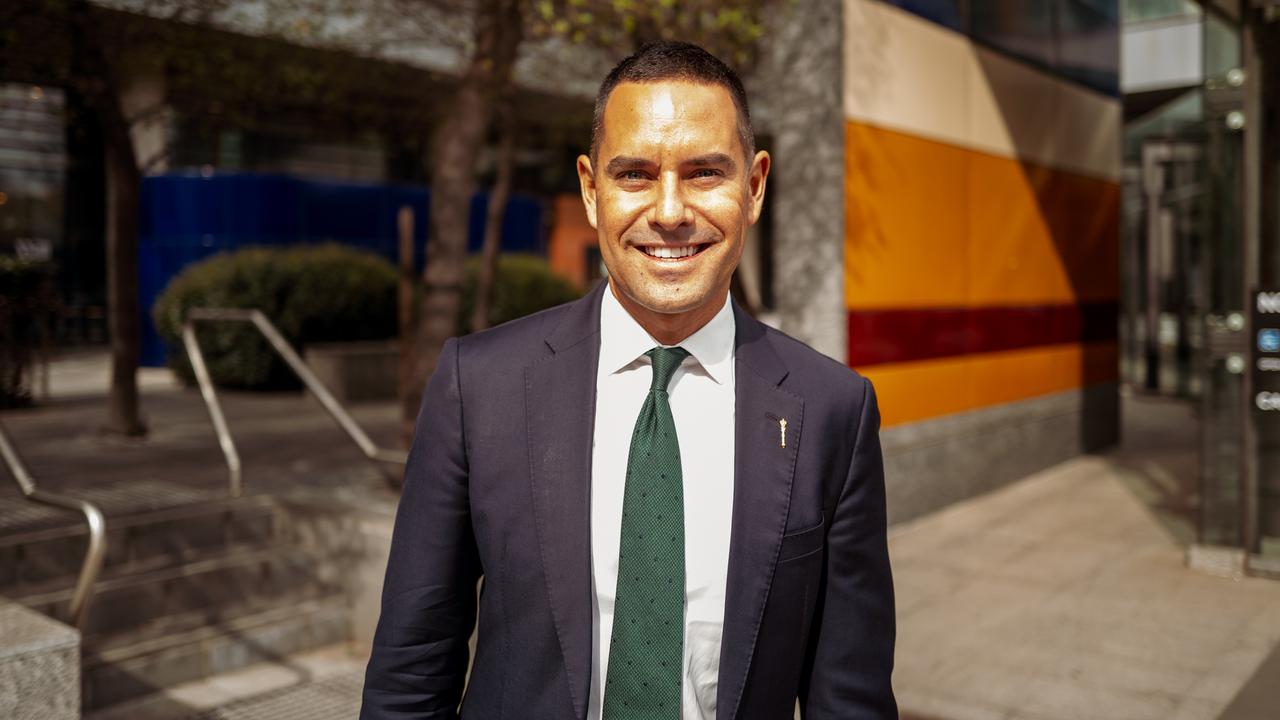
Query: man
677	511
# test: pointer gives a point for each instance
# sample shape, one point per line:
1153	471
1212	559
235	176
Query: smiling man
677	511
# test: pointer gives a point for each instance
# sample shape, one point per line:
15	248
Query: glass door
1222	355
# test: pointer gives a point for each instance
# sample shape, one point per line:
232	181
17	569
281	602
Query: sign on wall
1265	351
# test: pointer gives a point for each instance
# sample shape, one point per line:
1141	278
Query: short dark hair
672	60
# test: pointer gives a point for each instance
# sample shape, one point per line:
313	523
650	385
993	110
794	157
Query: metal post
299	366
317	388
1154	155
1250	257
94	554
205	381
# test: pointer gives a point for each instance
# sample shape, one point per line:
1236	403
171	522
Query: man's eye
631	175
706	173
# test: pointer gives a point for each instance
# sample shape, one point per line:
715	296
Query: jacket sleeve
420	652
850	658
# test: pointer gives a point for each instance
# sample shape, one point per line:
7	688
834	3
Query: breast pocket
803	543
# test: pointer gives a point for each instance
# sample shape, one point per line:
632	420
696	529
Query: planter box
39	666
356	371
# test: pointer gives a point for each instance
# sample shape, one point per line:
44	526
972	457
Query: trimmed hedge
524	285
319	293
324	293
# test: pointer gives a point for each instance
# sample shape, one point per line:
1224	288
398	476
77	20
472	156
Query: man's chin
681	305
654	297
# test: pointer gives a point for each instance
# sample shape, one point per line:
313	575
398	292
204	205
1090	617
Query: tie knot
665	361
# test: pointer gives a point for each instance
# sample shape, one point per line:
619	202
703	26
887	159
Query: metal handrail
299	366
94	555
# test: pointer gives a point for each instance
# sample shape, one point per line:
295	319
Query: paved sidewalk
1066	596
286	442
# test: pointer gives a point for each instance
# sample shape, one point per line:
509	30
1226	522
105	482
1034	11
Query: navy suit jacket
498	485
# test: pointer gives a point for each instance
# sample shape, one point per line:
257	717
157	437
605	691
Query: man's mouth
673	252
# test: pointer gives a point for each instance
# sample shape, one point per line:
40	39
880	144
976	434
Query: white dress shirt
702	404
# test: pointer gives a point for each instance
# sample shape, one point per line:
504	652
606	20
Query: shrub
27	306
324	293
327	293
524	284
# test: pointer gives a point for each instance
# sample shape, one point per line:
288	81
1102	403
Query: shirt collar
623	340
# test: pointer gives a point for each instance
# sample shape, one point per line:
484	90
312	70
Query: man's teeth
663	251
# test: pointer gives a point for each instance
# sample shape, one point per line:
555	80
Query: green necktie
645	654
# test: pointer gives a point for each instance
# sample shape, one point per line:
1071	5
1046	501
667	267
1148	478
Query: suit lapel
560	393
763	472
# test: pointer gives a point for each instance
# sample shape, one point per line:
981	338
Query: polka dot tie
643	681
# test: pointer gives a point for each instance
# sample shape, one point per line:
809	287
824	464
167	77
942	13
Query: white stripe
904	73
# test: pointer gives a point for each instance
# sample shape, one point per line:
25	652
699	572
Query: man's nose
670	211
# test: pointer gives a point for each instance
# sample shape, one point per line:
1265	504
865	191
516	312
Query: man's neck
669	328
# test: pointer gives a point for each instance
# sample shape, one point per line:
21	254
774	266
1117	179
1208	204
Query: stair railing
94	554
379	456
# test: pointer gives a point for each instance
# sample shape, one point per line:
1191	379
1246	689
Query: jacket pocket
803	543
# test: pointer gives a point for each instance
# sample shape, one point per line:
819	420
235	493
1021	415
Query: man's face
671	196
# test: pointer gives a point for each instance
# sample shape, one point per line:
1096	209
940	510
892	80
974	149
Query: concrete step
210	589
313	685
128	672
43	555
191	589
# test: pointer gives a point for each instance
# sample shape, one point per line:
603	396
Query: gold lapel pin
782	430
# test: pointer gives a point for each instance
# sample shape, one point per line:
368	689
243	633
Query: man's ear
756	183
587	181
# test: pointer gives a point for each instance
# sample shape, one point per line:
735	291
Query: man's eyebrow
623	162
715	159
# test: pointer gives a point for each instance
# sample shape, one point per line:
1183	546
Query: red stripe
884	336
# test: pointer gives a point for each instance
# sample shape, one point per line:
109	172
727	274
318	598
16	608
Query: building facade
981	235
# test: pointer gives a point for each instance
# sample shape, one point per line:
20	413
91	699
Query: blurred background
235	233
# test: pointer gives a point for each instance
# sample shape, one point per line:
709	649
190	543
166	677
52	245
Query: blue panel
521	224
185	218
944	12
1022	30
1075	39
522	229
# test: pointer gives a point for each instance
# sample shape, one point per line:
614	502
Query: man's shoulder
811	371
521	340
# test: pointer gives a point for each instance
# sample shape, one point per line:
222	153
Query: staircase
194	584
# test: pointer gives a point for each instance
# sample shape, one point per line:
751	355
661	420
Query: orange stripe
929	224
912	391
571	234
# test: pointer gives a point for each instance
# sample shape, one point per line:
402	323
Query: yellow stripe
922	389
929	224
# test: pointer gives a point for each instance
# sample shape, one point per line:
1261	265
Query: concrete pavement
1066	596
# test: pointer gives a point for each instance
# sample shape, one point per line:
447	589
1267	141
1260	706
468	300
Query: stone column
796	93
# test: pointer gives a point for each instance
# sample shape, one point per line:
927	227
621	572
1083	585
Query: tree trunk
123	181
458	140
95	74
498	198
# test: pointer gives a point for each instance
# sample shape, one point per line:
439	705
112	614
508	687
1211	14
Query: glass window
32	170
1089	44
1221	47
1139	10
